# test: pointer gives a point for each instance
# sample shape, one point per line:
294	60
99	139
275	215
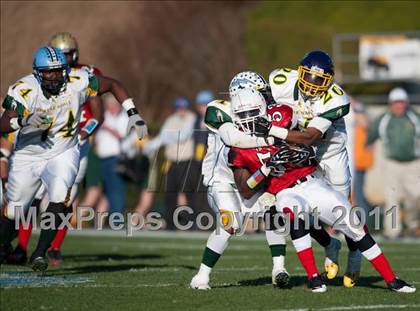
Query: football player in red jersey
287	172
91	117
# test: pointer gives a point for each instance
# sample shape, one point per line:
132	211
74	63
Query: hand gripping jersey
252	159
215	167
326	113
26	96
86	111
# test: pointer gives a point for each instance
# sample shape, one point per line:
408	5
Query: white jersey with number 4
26	97
326	113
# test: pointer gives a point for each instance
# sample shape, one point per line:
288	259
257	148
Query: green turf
147	273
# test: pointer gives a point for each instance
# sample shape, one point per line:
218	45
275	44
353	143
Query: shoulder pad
335	103
218	112
21	94
334	98
79	78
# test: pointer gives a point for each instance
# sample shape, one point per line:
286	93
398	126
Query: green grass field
152	272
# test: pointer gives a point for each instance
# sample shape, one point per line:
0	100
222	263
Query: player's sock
7	230
302	242
321	236
47	235
216	245
276	242
24	236
373	253
59	238
306	255
352	245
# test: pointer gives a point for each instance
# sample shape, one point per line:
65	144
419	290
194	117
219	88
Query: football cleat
280	278
331	270
200	281
354	262
400	286
54	257
331	259
38	263
17	257
350	279
317	285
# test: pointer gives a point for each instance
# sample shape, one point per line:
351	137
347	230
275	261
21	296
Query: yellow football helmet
68	44
315	74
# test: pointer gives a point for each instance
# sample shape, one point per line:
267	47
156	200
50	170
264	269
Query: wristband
278	132
90	126
128	104
15	123
254	180
132	112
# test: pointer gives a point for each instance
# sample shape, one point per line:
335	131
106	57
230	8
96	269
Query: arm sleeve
233	137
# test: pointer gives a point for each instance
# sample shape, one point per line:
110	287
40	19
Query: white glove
38	120
134	120
137	123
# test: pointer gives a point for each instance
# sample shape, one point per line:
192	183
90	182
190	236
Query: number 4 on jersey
68	129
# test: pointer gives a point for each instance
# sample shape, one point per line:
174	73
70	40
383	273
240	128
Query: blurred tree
159	50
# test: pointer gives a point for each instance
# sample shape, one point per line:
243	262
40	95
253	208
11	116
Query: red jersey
86	111
252	159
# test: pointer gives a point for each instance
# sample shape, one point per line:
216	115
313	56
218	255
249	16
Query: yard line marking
361	307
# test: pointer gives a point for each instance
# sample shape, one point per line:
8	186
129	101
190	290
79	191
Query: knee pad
229	221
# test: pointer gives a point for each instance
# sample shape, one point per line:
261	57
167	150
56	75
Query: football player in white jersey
222	195
45	107
320	105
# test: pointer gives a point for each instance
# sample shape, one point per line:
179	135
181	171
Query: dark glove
262	127
294	155
301	154
280	157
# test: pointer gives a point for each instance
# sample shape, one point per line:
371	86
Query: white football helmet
248	80
247	105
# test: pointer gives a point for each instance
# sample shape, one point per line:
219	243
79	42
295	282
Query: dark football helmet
315	74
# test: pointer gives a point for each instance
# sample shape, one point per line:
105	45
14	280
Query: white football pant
26	177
